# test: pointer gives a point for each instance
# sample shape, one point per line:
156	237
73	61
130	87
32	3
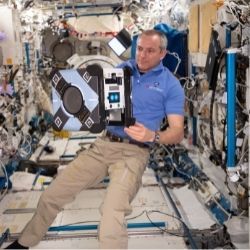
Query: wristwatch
157	137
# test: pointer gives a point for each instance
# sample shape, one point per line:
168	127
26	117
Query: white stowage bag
24	181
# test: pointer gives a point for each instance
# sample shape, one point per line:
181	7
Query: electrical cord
96	221
204	187
162	229
134	217
174	54
185	227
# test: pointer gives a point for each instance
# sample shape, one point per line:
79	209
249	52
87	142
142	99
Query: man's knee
48	201
111	206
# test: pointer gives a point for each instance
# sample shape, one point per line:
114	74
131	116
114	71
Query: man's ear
164	52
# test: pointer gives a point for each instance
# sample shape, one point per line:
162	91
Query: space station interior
194	195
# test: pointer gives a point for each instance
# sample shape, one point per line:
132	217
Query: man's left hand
140	133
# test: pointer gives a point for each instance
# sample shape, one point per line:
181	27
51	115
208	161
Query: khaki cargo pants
123	162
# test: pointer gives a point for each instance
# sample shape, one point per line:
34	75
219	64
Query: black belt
115	138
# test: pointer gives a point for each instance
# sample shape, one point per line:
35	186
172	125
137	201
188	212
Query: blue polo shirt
155	94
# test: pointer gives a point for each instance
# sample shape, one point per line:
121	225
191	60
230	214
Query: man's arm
175	132
172	135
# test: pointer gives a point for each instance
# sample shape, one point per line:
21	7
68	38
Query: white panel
11	45
86	208
192	209
91	24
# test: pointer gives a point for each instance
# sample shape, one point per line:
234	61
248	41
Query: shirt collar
158	67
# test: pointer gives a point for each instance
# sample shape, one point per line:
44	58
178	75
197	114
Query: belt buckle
119	139
114	138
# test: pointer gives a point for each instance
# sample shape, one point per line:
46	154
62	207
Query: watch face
157	137
72	100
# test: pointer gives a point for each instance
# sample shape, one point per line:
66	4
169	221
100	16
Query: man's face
149	52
